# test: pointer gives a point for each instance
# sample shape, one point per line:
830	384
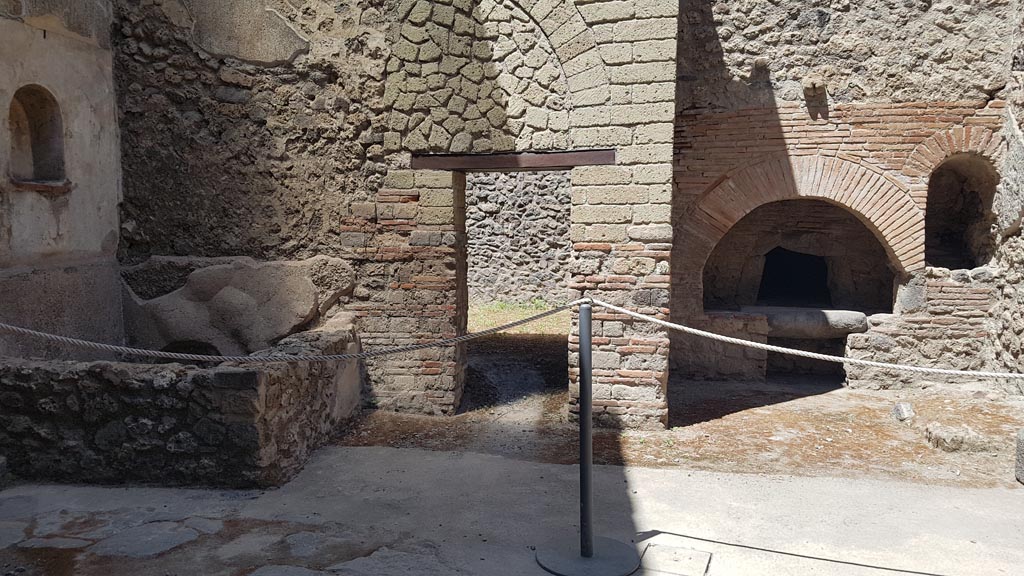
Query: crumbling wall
171	424
517	227
947	319
237	150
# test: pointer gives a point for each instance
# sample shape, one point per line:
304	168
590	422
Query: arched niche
958	215
37	136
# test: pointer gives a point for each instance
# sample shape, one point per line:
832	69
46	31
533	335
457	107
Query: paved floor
383	511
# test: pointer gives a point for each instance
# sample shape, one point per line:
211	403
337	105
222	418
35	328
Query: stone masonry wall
517	226
59	226
109	422
240	144
1009	315
856	103
293	139
953	326
752	53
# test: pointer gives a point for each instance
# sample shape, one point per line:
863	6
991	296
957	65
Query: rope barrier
288	358
281	358
803	353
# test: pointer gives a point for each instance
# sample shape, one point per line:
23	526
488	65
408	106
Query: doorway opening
518	256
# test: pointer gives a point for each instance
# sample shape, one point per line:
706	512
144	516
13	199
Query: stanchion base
611	558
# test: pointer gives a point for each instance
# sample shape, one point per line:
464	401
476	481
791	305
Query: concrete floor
383	511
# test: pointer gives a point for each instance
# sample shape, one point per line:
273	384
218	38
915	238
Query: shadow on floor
509	368
692	402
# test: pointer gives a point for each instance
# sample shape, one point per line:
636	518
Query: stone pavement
384	512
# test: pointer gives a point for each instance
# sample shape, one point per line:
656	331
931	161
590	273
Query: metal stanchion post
588	556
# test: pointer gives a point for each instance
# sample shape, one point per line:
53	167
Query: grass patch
491	314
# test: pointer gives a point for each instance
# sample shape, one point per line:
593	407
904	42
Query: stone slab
11	533
388	562
287	571
18	507
146	540
204	525
810	323
665	560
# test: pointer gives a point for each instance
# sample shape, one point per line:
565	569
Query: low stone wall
518	236
948	323
237	426
704	359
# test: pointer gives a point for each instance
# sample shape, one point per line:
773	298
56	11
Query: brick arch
942	146
881	203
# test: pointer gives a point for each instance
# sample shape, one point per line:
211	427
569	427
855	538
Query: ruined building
233	176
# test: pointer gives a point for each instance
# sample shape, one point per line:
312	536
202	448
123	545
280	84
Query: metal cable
805	354
280	358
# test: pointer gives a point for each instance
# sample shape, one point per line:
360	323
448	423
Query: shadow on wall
960	221
740	112
240	144
750	184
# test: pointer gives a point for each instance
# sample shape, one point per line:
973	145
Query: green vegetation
484	316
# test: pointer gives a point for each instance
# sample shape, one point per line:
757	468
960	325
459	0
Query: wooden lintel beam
526	161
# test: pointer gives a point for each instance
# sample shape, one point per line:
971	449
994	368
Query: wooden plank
526	161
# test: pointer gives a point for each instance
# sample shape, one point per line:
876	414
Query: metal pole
586	432
568	556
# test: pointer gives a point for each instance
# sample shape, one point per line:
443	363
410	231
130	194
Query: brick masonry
615	89
875	161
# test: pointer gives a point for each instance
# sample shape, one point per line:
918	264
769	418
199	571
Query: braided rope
288	358
281	358
805	354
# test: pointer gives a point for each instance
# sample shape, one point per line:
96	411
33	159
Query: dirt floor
516	401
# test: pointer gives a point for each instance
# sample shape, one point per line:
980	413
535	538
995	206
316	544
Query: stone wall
951	326
857	104
281	145
750	54
476	77
109	422
517	227
873	160
60	178
238	143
